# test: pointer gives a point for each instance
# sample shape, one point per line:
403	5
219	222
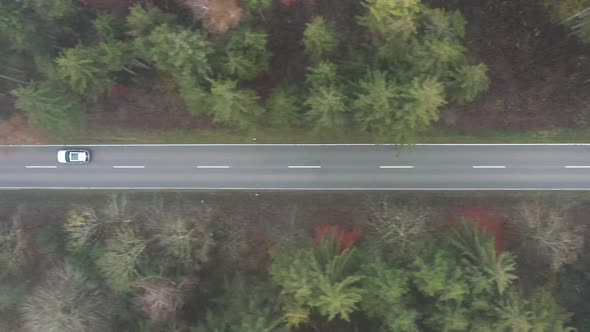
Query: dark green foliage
11	296
141	21
50	239
540	313
422	50
442	25
323	74
114	55
467	83
257	6
83	72
478	246
246	306
176	51
245	54
233	106
51	9
110	27
422	100
386	296
376	103
319	39
318	279
284	107
195	98
391	22
435	57
20	29
48	105
328	108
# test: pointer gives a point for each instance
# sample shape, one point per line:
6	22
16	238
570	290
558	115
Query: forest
386	70
202	262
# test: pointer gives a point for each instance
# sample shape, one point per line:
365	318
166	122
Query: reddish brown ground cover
346	235
15	131
485	218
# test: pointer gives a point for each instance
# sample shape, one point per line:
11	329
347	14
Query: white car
70	156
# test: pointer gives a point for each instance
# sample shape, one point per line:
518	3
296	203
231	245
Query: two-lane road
309	167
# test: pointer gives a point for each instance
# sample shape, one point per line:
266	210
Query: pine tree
478	246
109	27
423	98
22	31
51	9
175	50
391	21
323	74
319	39
385	296
232	106
115	55
81	69
328	108
195	97
48	105
376	103
141	21
467	82
245	305
257	7
319	279
442	25
245	54
284	107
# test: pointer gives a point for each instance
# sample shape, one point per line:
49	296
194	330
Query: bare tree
217	16
549	233
160	300
181	235
86	224
398	227
13	256
66	301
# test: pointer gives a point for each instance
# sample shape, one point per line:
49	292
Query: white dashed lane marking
388	167
213	166
128	166
41	166
302	166
488	166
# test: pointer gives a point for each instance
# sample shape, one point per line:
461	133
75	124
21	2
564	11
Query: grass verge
98	135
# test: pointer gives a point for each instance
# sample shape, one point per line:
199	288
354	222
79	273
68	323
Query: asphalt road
312	167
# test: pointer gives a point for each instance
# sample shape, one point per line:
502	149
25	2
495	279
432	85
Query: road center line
128	166
577	166
386	167
488	166
220	166
302	166
41	166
